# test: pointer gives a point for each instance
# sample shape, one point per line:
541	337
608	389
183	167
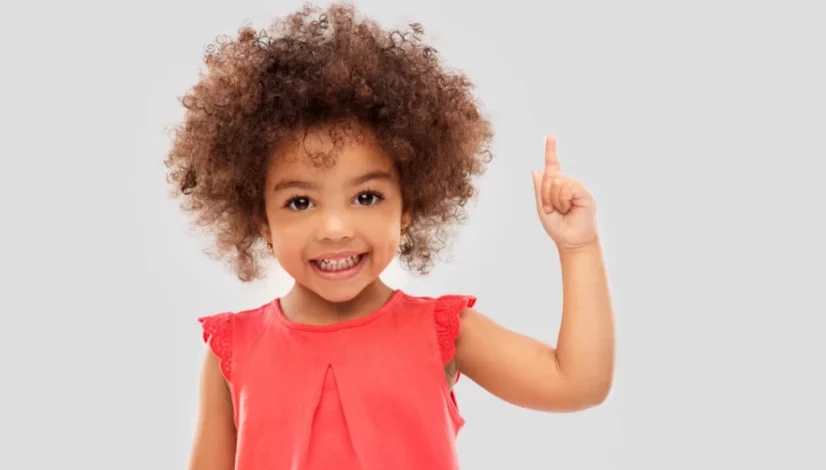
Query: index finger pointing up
551	159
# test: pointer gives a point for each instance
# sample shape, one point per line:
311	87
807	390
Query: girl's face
334	229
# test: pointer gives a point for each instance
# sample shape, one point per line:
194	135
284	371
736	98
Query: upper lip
337	255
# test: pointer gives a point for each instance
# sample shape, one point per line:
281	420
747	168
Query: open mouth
340	266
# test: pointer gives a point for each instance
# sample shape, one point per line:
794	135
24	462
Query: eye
368	198
299	203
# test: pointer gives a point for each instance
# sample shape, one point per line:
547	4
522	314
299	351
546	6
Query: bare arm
214	445
527	372
532	374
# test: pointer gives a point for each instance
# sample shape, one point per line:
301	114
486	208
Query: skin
214	444
523	371
354	206
328	209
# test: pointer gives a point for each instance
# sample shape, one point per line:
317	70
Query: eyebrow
301	184
373	175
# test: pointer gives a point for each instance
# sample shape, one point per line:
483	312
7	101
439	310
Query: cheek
387	233
288	239
392	240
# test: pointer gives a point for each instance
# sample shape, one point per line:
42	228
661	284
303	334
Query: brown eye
368	198
299	203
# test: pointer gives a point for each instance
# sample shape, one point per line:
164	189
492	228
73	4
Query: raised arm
527	372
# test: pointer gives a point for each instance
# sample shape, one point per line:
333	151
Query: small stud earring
269	246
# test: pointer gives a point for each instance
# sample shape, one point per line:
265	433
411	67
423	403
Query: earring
269	246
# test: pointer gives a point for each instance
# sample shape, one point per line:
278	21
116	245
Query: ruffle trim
217	333
446	315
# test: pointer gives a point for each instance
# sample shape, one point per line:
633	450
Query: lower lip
342	273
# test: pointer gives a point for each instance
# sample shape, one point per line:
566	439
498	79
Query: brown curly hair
315	67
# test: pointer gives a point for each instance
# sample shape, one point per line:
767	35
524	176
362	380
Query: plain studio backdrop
698	125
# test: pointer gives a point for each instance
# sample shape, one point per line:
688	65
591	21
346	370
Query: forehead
330	151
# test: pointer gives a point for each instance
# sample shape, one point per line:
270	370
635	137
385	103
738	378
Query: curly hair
314	67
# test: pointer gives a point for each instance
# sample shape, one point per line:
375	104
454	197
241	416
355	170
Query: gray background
698	125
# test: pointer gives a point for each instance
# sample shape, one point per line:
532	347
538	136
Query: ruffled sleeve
446	315
217	333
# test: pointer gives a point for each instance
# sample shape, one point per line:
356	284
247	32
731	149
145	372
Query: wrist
590	246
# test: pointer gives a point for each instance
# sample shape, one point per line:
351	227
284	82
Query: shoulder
442	303
445	313
224	333
226	322
223	326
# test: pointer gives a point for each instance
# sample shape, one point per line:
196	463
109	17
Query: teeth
339	264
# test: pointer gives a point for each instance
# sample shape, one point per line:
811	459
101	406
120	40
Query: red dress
368	393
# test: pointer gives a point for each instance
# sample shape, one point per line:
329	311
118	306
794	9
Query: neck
306	306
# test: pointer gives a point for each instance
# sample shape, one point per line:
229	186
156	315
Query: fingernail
549	209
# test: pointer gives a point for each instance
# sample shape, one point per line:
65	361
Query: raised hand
566	208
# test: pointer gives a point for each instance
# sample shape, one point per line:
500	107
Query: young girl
333	146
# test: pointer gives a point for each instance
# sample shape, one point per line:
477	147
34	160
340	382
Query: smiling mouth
336	265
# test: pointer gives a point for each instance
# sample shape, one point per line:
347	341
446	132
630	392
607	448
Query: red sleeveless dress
367	394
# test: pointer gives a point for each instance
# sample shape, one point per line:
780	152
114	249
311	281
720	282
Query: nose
335	226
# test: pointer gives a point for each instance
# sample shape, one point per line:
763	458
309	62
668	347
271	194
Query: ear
265	232
406	218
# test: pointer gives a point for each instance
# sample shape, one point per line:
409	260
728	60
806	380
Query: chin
338	295
339	292
336	291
